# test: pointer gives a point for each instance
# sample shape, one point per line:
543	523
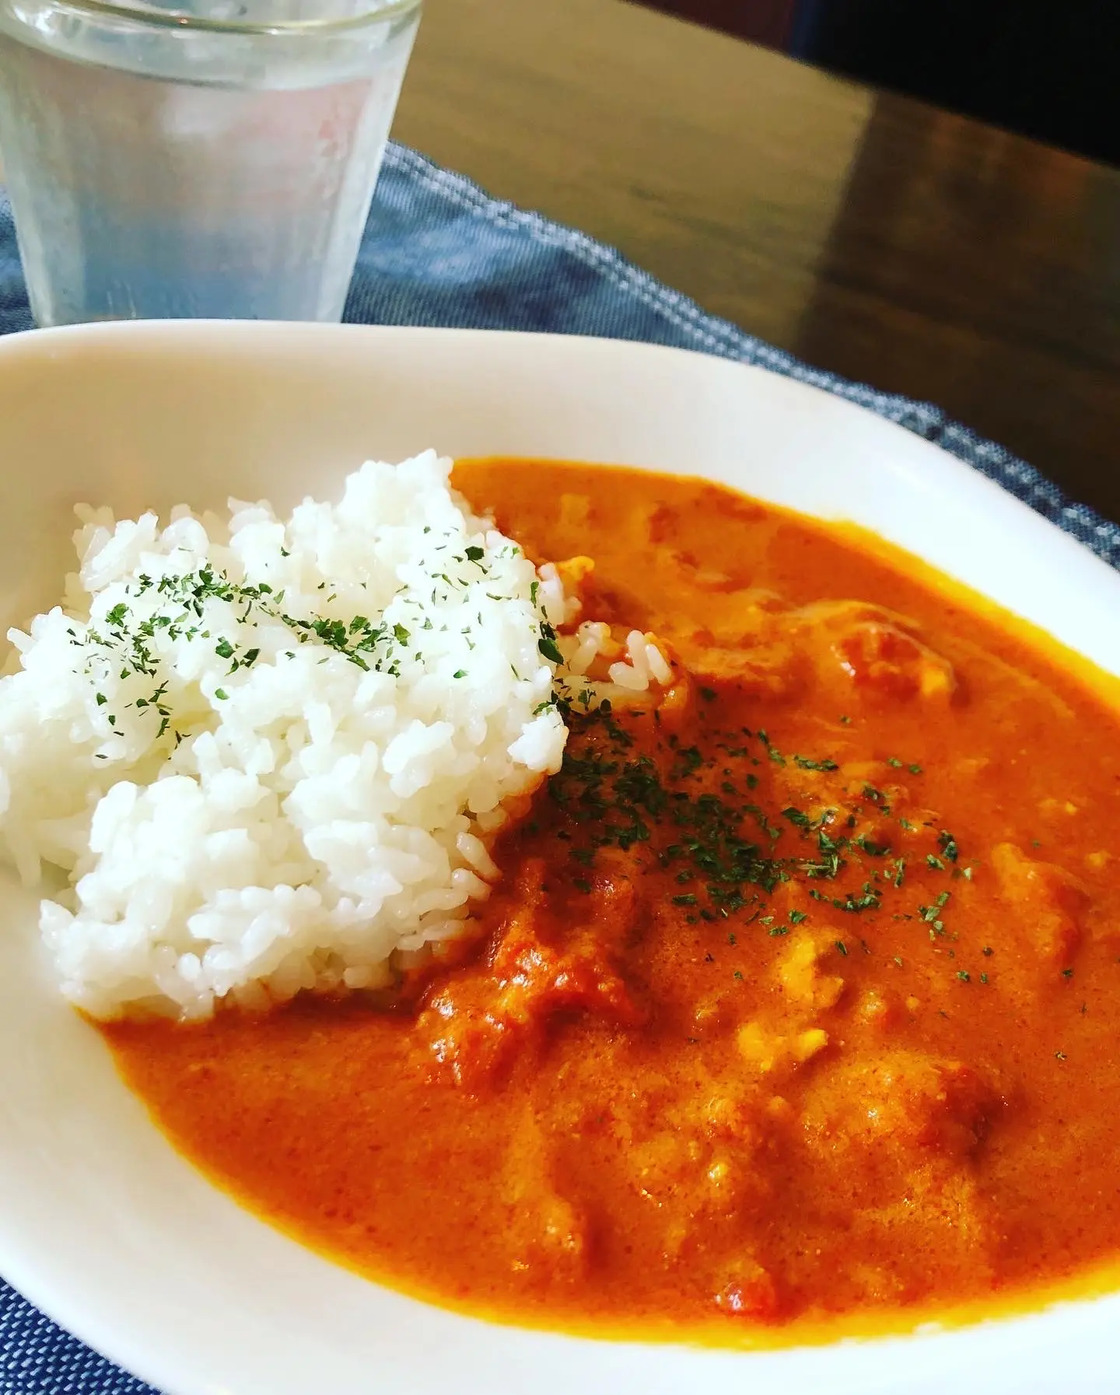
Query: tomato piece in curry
796	999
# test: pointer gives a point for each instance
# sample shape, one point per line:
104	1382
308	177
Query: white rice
246	803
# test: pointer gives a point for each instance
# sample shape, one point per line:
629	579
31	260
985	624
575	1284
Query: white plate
101	1223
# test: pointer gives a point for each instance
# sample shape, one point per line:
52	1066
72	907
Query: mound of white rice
269	754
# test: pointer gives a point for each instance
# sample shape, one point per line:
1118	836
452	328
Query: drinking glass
195	158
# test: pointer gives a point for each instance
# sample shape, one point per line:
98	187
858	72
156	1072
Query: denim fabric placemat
438	251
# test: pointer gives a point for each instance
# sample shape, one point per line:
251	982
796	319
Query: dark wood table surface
874	236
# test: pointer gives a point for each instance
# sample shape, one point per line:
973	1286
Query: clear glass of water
195	158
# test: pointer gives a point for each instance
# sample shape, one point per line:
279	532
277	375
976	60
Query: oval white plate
101	1223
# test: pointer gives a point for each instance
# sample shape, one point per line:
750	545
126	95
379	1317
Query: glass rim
184	23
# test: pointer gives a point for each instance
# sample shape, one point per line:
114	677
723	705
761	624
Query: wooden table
871	235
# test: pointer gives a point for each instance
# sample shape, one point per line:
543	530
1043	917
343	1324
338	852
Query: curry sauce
796	999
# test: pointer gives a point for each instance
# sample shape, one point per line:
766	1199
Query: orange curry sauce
798	997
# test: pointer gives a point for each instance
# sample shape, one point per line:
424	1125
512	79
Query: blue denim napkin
438	251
